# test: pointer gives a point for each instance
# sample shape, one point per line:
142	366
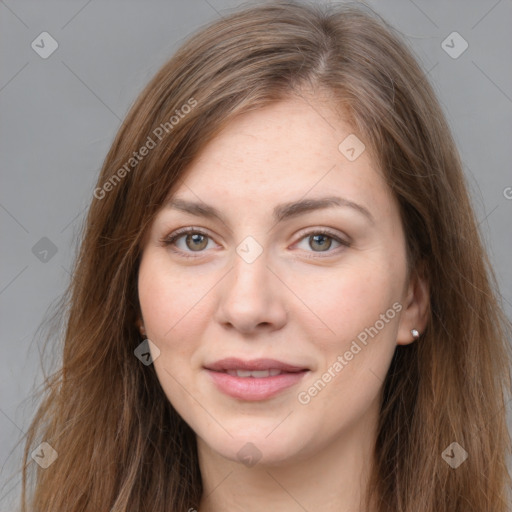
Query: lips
257	379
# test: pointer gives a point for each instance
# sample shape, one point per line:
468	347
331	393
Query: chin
256	446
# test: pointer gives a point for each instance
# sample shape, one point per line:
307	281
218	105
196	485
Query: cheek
169	301
347	302
156	298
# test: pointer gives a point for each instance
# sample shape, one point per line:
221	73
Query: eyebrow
281	212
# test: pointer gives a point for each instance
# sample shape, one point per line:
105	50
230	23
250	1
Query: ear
416	310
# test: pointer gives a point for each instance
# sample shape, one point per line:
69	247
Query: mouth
257	374
254	380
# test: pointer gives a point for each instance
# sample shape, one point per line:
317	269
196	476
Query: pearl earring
415	334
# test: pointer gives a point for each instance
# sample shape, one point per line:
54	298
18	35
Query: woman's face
294	268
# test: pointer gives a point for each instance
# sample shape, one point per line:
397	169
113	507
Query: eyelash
169	240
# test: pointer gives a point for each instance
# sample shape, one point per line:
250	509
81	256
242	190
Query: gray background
59	115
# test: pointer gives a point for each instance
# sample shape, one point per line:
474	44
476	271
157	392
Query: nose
252	297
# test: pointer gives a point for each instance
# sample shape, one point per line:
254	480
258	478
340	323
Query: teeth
258	374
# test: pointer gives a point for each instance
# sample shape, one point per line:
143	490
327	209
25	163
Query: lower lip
254	388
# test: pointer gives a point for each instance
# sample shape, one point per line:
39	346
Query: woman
334	343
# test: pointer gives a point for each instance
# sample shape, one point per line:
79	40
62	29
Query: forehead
285	151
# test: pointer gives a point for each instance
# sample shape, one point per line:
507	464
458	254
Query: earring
415	334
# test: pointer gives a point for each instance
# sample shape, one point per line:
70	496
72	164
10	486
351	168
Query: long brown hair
121	446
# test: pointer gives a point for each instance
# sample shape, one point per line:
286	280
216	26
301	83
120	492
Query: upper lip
233	363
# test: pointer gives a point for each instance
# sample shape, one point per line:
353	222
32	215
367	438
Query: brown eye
196	241
320	242
187	241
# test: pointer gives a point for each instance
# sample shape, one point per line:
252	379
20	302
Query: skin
295	303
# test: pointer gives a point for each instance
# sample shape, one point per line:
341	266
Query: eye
192	240
321	241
